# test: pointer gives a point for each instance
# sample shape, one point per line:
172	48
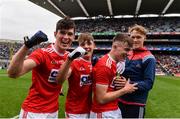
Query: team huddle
115	86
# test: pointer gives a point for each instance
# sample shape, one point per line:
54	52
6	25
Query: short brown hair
65	23
85	37
139	29
123	38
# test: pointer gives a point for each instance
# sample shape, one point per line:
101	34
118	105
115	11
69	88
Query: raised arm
18	65
64	72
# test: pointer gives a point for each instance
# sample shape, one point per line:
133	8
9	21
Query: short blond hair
83	37
142	30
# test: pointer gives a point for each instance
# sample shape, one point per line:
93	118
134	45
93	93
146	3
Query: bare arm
64	71
104	97
18	66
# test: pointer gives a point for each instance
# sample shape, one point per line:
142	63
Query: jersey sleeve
102	75
37	56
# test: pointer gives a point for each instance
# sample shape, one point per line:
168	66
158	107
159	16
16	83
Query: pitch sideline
15	117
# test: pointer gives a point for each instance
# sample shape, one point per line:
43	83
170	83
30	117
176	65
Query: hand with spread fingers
129	87
119	82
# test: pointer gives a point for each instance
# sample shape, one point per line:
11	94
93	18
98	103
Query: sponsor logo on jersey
85	80
52	76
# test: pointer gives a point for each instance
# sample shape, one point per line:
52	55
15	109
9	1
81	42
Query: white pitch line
15	117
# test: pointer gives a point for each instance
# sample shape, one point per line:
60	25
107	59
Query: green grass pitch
163	100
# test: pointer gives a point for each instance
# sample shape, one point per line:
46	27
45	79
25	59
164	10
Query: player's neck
59	50
111	54
87	58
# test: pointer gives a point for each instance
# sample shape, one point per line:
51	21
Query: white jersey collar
60	54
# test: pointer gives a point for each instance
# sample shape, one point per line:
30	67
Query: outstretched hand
129	88
119	82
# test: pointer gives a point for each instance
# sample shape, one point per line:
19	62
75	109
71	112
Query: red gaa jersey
44	91
103	73
80	87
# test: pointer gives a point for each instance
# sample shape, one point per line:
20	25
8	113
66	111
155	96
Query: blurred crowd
156	24
169	64
166	64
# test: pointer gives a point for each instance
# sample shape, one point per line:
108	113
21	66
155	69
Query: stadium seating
166	63
156	24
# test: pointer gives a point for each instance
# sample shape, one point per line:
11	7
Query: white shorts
77	116
115	114
29	115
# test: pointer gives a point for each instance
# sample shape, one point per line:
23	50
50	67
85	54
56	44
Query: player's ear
55	33
114	46
94	45
144	37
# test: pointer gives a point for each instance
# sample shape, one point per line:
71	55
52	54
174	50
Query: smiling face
64	38
121	45
138	39
89	47
138	34
64	34
121	50
86	41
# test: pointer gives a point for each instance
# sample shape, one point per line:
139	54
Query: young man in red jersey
79	75
105	99
42	100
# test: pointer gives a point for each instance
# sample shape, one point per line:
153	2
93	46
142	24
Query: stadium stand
102	22
156	24
166	50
